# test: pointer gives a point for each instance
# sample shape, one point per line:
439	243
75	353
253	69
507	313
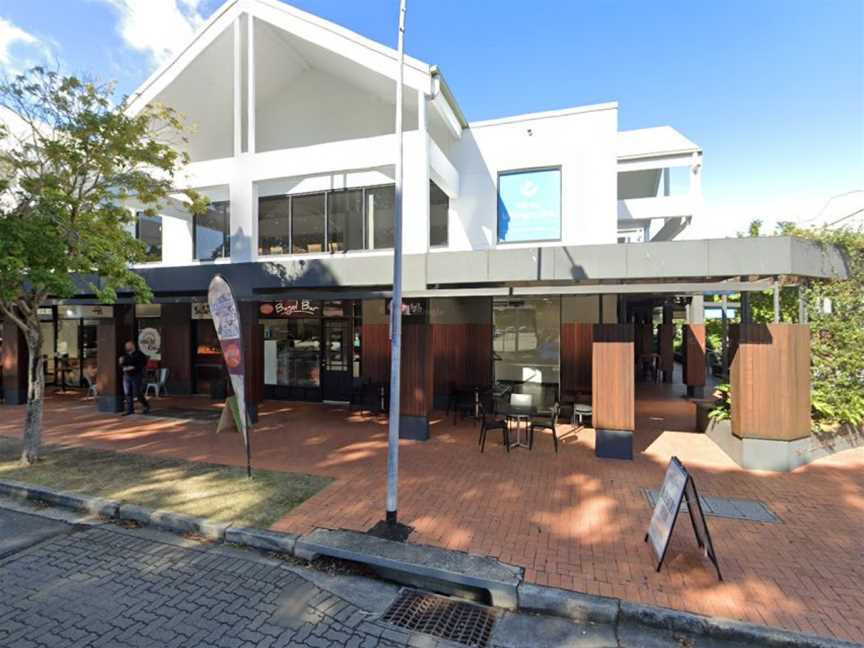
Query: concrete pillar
15	358
112	334
415	225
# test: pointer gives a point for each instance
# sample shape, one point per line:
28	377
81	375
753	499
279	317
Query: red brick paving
571	520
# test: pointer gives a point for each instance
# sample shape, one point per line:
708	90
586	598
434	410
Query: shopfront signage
412	307
79	311
678	486
150	343
200	310
529	206
226	320
290	308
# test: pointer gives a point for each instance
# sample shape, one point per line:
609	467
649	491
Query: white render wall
581	141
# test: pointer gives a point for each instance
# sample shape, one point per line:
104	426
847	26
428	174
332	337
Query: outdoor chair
461	403
545	423
91	386
159	387
493	423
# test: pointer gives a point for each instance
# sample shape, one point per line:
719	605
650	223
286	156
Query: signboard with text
290	308
678	486
529	206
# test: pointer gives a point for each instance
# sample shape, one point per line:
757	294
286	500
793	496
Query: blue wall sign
529	206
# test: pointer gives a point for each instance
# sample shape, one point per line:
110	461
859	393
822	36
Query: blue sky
773	90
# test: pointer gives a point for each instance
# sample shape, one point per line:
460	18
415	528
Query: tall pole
396	303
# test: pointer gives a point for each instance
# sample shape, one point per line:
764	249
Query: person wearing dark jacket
132	364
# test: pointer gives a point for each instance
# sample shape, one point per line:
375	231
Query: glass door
337	360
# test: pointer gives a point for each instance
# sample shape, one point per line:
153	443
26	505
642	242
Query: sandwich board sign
678	486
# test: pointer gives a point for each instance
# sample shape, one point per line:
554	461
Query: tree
70	162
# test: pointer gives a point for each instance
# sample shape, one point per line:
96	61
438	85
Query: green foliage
69	166
722	410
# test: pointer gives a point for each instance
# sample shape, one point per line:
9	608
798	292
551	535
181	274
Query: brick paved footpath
106	586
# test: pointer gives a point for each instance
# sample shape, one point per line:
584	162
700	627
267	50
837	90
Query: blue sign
529	206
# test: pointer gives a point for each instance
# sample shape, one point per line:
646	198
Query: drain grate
734	509
439	616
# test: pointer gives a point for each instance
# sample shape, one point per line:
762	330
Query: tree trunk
35	393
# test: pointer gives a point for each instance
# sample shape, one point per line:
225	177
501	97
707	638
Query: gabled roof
300	24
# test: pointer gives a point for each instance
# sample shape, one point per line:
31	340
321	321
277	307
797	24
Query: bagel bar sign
226	320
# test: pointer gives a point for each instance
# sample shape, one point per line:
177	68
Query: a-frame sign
678	486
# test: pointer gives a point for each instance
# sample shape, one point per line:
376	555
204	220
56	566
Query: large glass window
273	225
439	214
307	223
211	232
148	230
292	352
345	220
380	207
526	343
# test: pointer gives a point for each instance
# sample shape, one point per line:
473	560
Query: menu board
666	510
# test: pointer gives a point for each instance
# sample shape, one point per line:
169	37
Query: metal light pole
396	303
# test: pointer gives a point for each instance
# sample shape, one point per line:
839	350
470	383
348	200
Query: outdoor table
518	413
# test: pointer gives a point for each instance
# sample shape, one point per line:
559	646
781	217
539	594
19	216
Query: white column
415	228
238	88
250	77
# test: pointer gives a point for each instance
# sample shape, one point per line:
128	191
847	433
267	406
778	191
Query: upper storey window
211	232
529	205
148	230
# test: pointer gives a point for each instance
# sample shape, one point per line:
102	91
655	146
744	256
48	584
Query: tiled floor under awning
571	520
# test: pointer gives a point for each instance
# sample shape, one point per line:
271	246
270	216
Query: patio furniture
91	386
369	396
464	401
494	423
160	386
581	412
545	423
520	409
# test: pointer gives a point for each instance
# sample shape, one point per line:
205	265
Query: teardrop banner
679	487
226	319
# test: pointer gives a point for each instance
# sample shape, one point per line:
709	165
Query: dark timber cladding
14	356
770	372
694	355
577	339
613	394
177	347
416	379
112	336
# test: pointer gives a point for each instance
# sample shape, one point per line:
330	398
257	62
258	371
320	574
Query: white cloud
157	27
12	36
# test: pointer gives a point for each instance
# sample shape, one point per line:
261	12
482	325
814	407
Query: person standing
133	363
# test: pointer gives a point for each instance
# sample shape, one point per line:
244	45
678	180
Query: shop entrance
336	361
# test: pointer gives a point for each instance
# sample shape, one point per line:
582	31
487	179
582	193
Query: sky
772	90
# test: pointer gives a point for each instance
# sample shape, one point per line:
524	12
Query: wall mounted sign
290	308
412	307
200	310
79	311
150	343
678	486
529	206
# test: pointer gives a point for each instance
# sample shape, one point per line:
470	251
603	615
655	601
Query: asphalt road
72	582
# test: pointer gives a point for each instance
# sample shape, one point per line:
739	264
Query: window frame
446	243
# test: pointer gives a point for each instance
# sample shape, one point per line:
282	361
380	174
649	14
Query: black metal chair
545	423
494	423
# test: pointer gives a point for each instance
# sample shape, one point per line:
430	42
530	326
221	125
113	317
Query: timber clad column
417	376
667	345
613	393
253	357
177	347
770	385
15	359
694	359
112	334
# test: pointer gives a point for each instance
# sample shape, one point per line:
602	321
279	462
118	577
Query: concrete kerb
573	606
